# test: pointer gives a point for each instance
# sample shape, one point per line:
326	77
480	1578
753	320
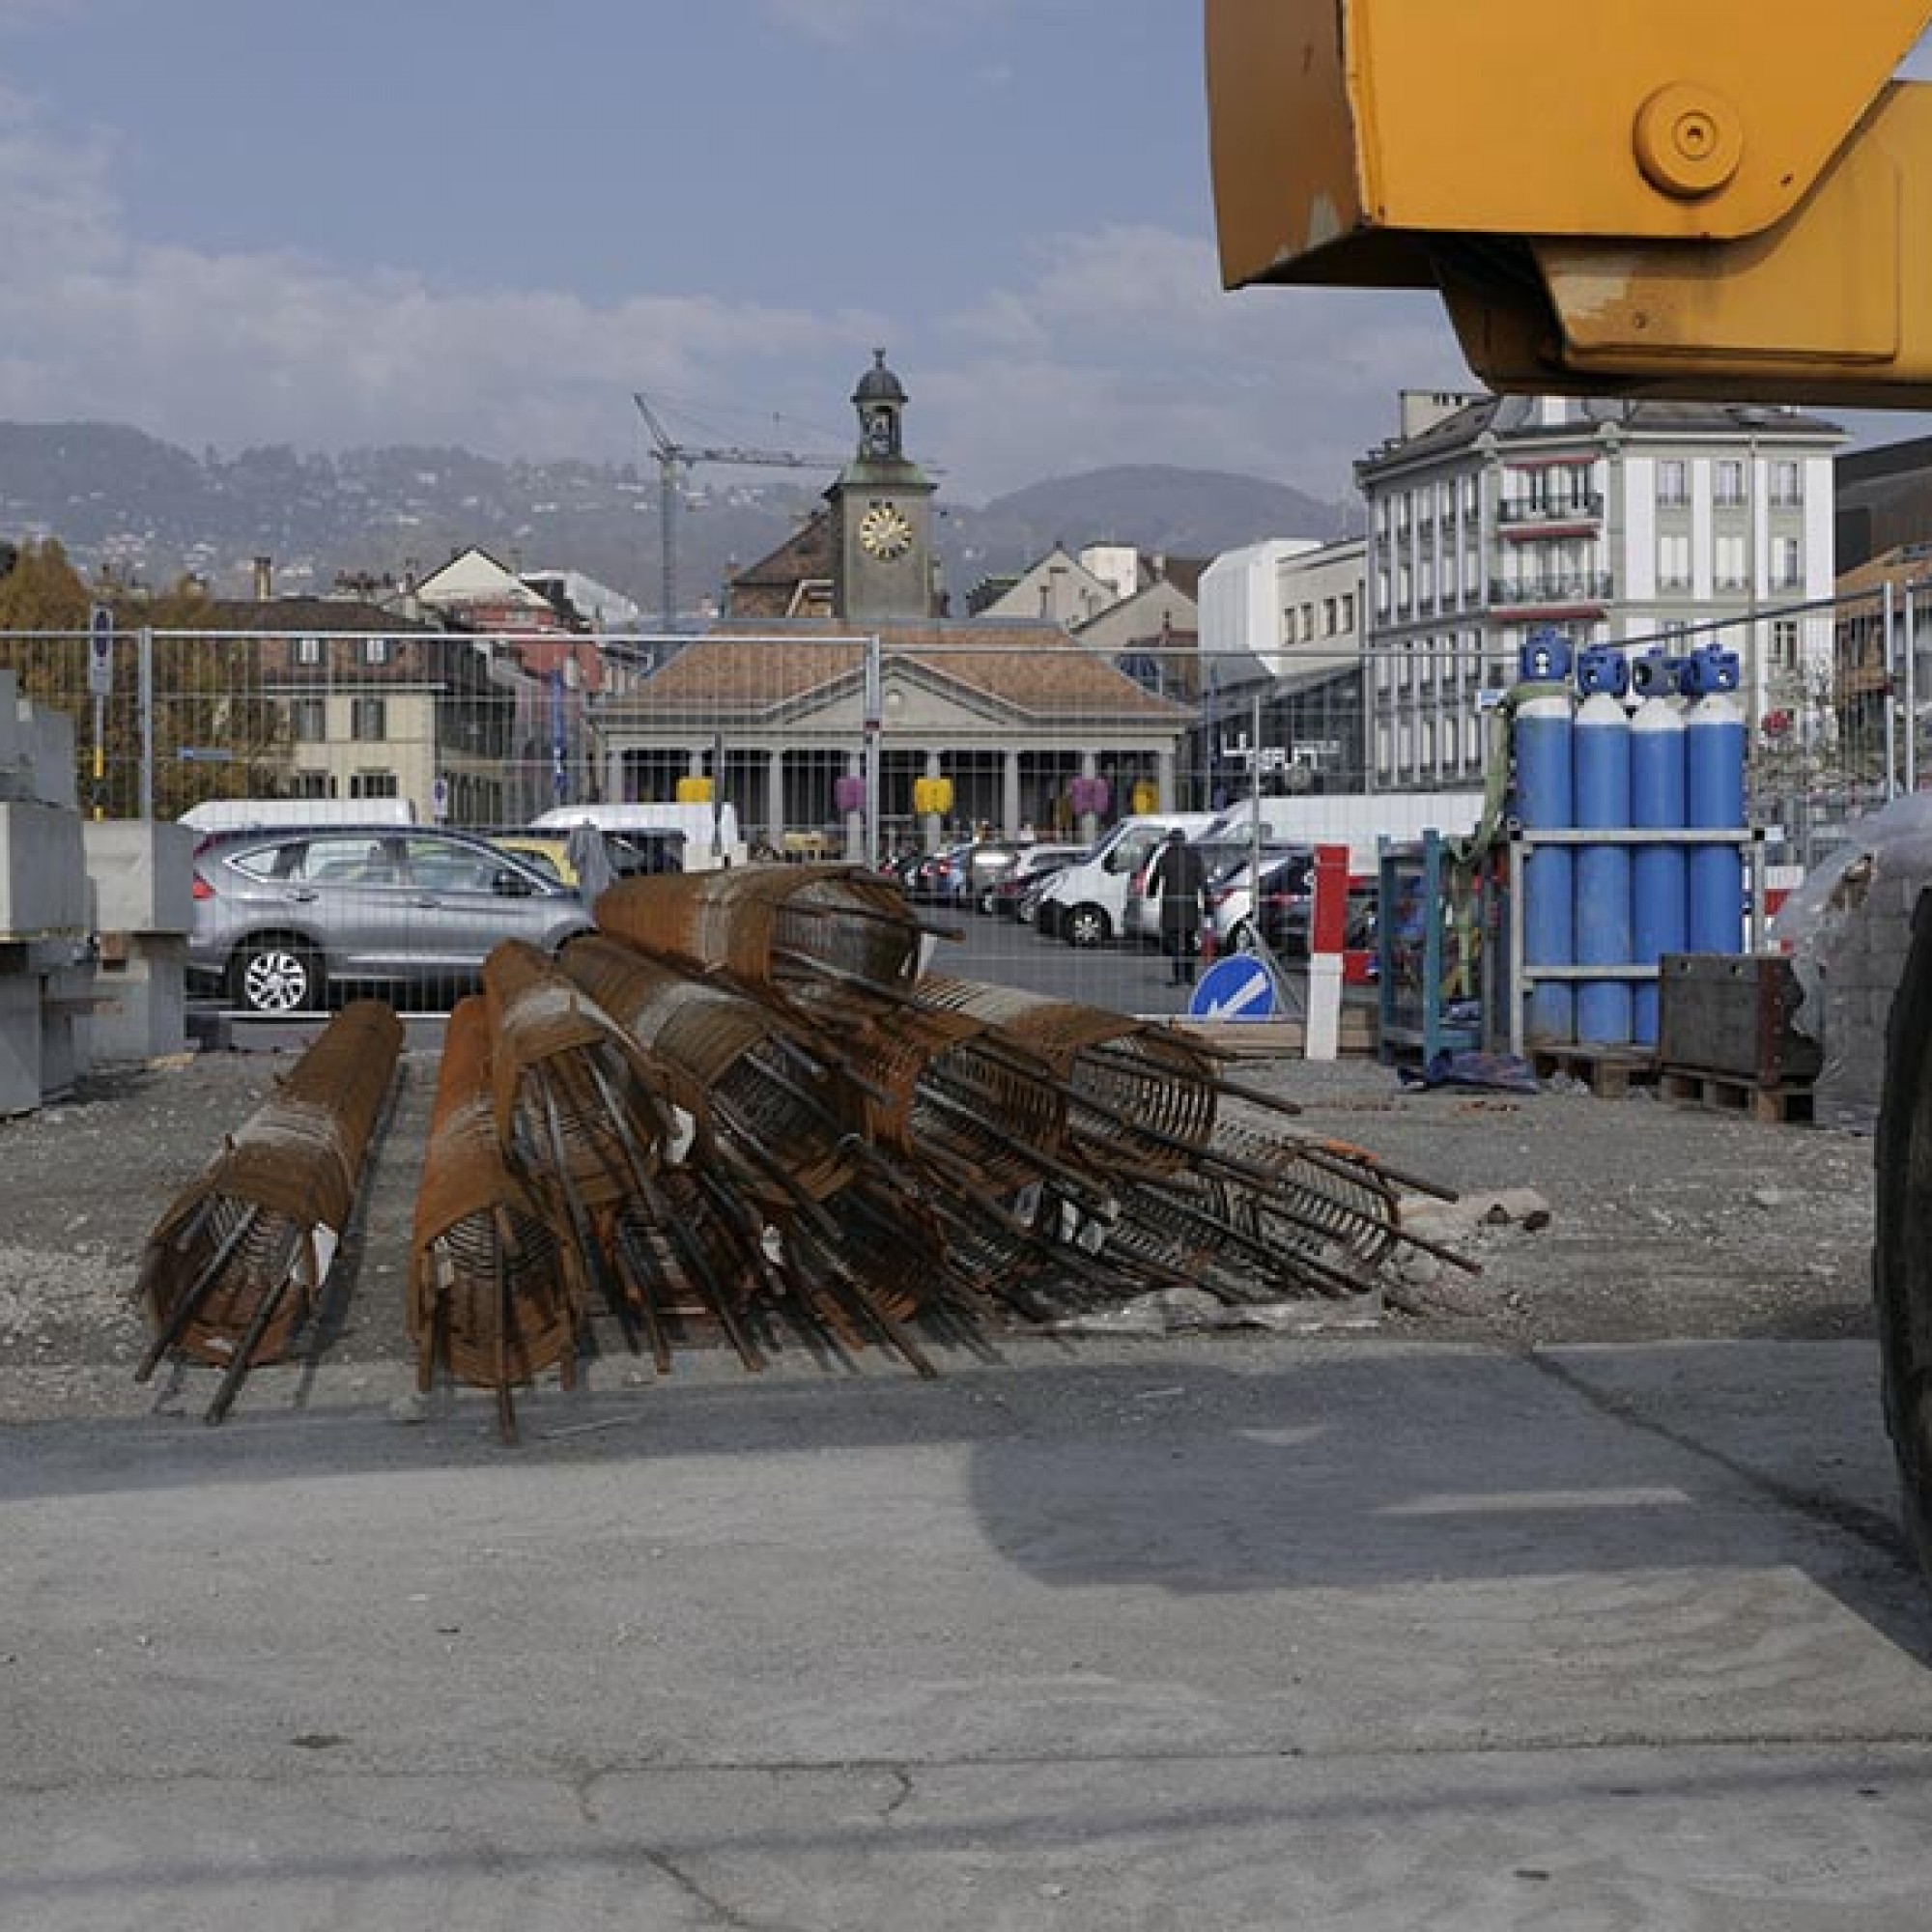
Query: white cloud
1126	348
1121	348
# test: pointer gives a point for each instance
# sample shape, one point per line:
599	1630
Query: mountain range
147	511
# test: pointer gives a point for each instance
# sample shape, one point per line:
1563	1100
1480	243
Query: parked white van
710	834
1085	903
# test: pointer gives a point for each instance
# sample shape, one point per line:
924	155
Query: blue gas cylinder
1713	799
1659	877
1544	802
1602	758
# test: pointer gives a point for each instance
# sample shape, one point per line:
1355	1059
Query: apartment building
1614	522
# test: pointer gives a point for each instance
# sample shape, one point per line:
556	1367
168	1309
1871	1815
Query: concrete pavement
1223	1634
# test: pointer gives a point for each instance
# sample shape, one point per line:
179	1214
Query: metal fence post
144	660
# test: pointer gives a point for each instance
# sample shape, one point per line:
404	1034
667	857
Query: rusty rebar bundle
234	1267
495	1294
758	923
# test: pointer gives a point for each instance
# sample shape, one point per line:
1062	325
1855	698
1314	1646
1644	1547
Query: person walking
1181	878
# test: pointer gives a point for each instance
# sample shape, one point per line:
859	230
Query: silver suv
282	917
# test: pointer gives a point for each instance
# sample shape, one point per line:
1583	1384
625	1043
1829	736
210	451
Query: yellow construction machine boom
1677	198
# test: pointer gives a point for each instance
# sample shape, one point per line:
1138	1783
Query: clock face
884	532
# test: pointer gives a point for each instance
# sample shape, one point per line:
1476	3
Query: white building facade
1615	523
1281	663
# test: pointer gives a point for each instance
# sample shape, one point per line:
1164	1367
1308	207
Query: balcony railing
1586	586
1587	507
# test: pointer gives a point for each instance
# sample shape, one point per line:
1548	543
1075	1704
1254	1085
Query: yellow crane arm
1693	198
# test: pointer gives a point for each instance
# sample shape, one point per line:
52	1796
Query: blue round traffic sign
1239	987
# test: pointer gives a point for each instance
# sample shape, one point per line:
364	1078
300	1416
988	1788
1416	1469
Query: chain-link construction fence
897	750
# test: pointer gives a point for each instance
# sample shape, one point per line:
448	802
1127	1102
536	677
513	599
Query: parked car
1036	864
1221	857
284	918
1286	900
629	852
963	873
1285	878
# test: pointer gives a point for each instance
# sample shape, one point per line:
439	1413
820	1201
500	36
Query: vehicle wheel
1901	1250
1086	926
275	976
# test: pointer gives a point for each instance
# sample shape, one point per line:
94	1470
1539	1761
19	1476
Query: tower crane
670	455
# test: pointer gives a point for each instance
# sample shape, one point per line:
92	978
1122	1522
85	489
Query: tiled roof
1511	417
1035	669
309	615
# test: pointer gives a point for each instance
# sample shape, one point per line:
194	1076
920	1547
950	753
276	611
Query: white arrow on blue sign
1241	989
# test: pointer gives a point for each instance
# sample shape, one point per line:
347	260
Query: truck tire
1902	1238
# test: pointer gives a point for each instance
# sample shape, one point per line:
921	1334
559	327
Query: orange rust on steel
549	1042
495	1297
1134	1091
234	1259
727	1055
743	921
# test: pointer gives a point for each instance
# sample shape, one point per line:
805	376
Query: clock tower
882	505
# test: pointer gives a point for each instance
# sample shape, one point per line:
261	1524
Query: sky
483	222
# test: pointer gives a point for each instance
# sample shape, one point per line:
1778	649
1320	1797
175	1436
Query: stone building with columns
776	705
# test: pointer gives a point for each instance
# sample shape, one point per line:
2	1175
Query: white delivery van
1085	903
1358	820
710	833
275	814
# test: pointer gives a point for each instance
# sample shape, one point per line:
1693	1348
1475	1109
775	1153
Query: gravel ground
1662	1222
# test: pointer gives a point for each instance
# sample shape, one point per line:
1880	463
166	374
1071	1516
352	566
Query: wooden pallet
1787	1103
1608	1071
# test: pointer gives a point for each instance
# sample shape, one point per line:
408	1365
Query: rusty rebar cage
234	1267
768	926
739	1067
495	1291
1134	1092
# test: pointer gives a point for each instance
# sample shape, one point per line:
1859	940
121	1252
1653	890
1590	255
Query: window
1328	616
1727	559
1674	561
308	722
444	866
1787	563
369	722
375	650
1787	484
345	861
1727	481
1428	579
310	784
308	650
1405	595
1785	645
371	784
1348	609
1673	483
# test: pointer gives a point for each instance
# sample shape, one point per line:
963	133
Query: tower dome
878	384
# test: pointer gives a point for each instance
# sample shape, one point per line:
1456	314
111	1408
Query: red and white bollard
1327	932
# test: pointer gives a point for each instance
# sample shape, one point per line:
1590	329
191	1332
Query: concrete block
19	1041
140	1005
47	743
143	874
13	744
43	872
